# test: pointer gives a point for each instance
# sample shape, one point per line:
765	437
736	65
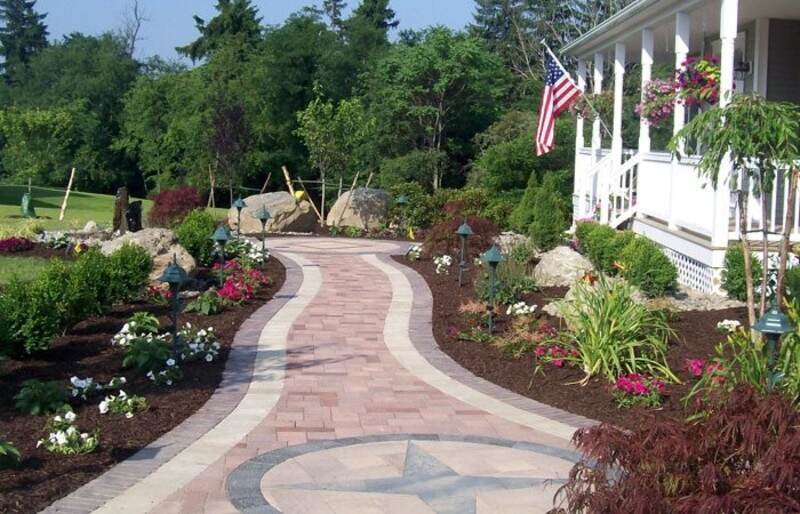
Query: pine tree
549	216
367	29
522	216
333	10
377	13
235	19
589	13
22	35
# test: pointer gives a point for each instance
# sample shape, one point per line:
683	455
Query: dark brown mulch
696	336
86	351
43	251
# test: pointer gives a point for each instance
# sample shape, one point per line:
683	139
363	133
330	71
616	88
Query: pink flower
695	366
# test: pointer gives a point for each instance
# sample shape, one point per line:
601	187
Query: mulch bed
41	250
696	336
86	351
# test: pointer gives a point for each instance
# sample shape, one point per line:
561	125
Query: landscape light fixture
239	205
263	216
492	257
773	325
175	276
464	231
221	236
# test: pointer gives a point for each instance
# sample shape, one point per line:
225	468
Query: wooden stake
369	179
347	203
264	187
322	204
340	188
288	180
309	198
66	195
212	180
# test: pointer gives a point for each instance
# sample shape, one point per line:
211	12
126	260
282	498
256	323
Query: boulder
160	243
561	266
506	241
365	208
90	227
287	214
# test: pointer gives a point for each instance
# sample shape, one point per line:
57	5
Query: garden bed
84	351
696	336
42	251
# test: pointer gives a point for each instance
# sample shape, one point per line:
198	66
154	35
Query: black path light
263	216
221	236
239	205
492	257
175	276
773	325
402	202
464	231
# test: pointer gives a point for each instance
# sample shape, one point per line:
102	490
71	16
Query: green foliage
208	303
549	216
613	334
91	275
130	266
235	20
733	275
22	35
146	354
417	166
194	234
645	266
9	455
583	231
792	283
37	398
522	217
602	247
513	281
417	213
142	323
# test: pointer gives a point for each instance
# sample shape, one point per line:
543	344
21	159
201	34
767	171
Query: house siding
782	76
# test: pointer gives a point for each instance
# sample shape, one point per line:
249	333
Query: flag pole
583	93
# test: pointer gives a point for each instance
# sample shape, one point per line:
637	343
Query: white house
758	43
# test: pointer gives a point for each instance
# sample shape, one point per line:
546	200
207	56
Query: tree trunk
765	251
788	223
748	262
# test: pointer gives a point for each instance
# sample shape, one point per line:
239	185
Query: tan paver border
251	381
409	335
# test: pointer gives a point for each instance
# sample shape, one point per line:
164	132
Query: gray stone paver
342	380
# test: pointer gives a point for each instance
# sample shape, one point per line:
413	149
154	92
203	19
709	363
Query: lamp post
239	205
220	237
492	257
402	202
175	276
773	325
464	231
263	216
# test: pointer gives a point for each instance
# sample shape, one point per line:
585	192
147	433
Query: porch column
729	26
597	88
619	76
579	191
682	31
647	72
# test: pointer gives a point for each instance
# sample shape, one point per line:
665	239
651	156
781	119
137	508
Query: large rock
365	208
160	243
561	266
507	241
287	214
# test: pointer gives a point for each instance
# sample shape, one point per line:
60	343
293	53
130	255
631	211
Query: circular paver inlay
423	474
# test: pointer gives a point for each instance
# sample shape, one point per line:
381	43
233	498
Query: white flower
170	362
122	394
84	436
77	382
104	407
71	431
61	438
122	380
129	415
39	442
150	375
728	325
75	393
70	416
209	357
58	419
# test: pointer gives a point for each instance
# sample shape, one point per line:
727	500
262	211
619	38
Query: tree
132	22
230	138
367	29
436	94
22	35
760	138
236	19
333	10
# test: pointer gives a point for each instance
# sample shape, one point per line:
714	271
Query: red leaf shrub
744	457
170	206
442	238
15	244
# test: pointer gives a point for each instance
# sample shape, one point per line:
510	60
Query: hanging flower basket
658	101
698	80
603	102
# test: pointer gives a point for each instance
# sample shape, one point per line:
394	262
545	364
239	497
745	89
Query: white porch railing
625	195
777	205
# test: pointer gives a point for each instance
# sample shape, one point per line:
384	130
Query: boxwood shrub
646	266
733	277
194	233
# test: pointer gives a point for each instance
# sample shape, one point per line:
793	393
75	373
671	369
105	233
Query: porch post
647	72
580	171
597	88
682	31
619	76
729	22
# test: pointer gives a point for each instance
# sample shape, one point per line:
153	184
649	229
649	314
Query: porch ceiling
659	15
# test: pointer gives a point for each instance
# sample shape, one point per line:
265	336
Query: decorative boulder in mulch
160	243
559	267
287	214
506	241
365	208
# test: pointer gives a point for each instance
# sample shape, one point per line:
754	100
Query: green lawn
81	208
26	267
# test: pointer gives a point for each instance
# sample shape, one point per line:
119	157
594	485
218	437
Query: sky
171	24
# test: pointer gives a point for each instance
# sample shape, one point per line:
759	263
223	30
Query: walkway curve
346	354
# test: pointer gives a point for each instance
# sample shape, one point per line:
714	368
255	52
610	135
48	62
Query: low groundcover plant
64	438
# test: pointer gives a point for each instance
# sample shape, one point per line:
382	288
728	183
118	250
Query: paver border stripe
243	485
408	334
235	385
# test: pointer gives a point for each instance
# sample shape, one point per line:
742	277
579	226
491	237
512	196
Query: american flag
559	93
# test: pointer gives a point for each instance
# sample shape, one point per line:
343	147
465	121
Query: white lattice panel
692	273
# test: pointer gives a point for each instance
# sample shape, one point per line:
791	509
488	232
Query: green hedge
32	312
194	234
733	277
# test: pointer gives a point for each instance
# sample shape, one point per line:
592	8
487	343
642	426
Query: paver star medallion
432	475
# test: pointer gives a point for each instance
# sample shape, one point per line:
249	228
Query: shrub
171	206
417	213
742	458
645	266
15	244
792	284
583	231
549	218
91	281
513	281
36	397
522	217
207	303
441	239
602	247
130	266
9	455
733	277
145	353
194	234
613	334
414	167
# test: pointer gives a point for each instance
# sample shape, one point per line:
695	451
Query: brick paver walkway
342	390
